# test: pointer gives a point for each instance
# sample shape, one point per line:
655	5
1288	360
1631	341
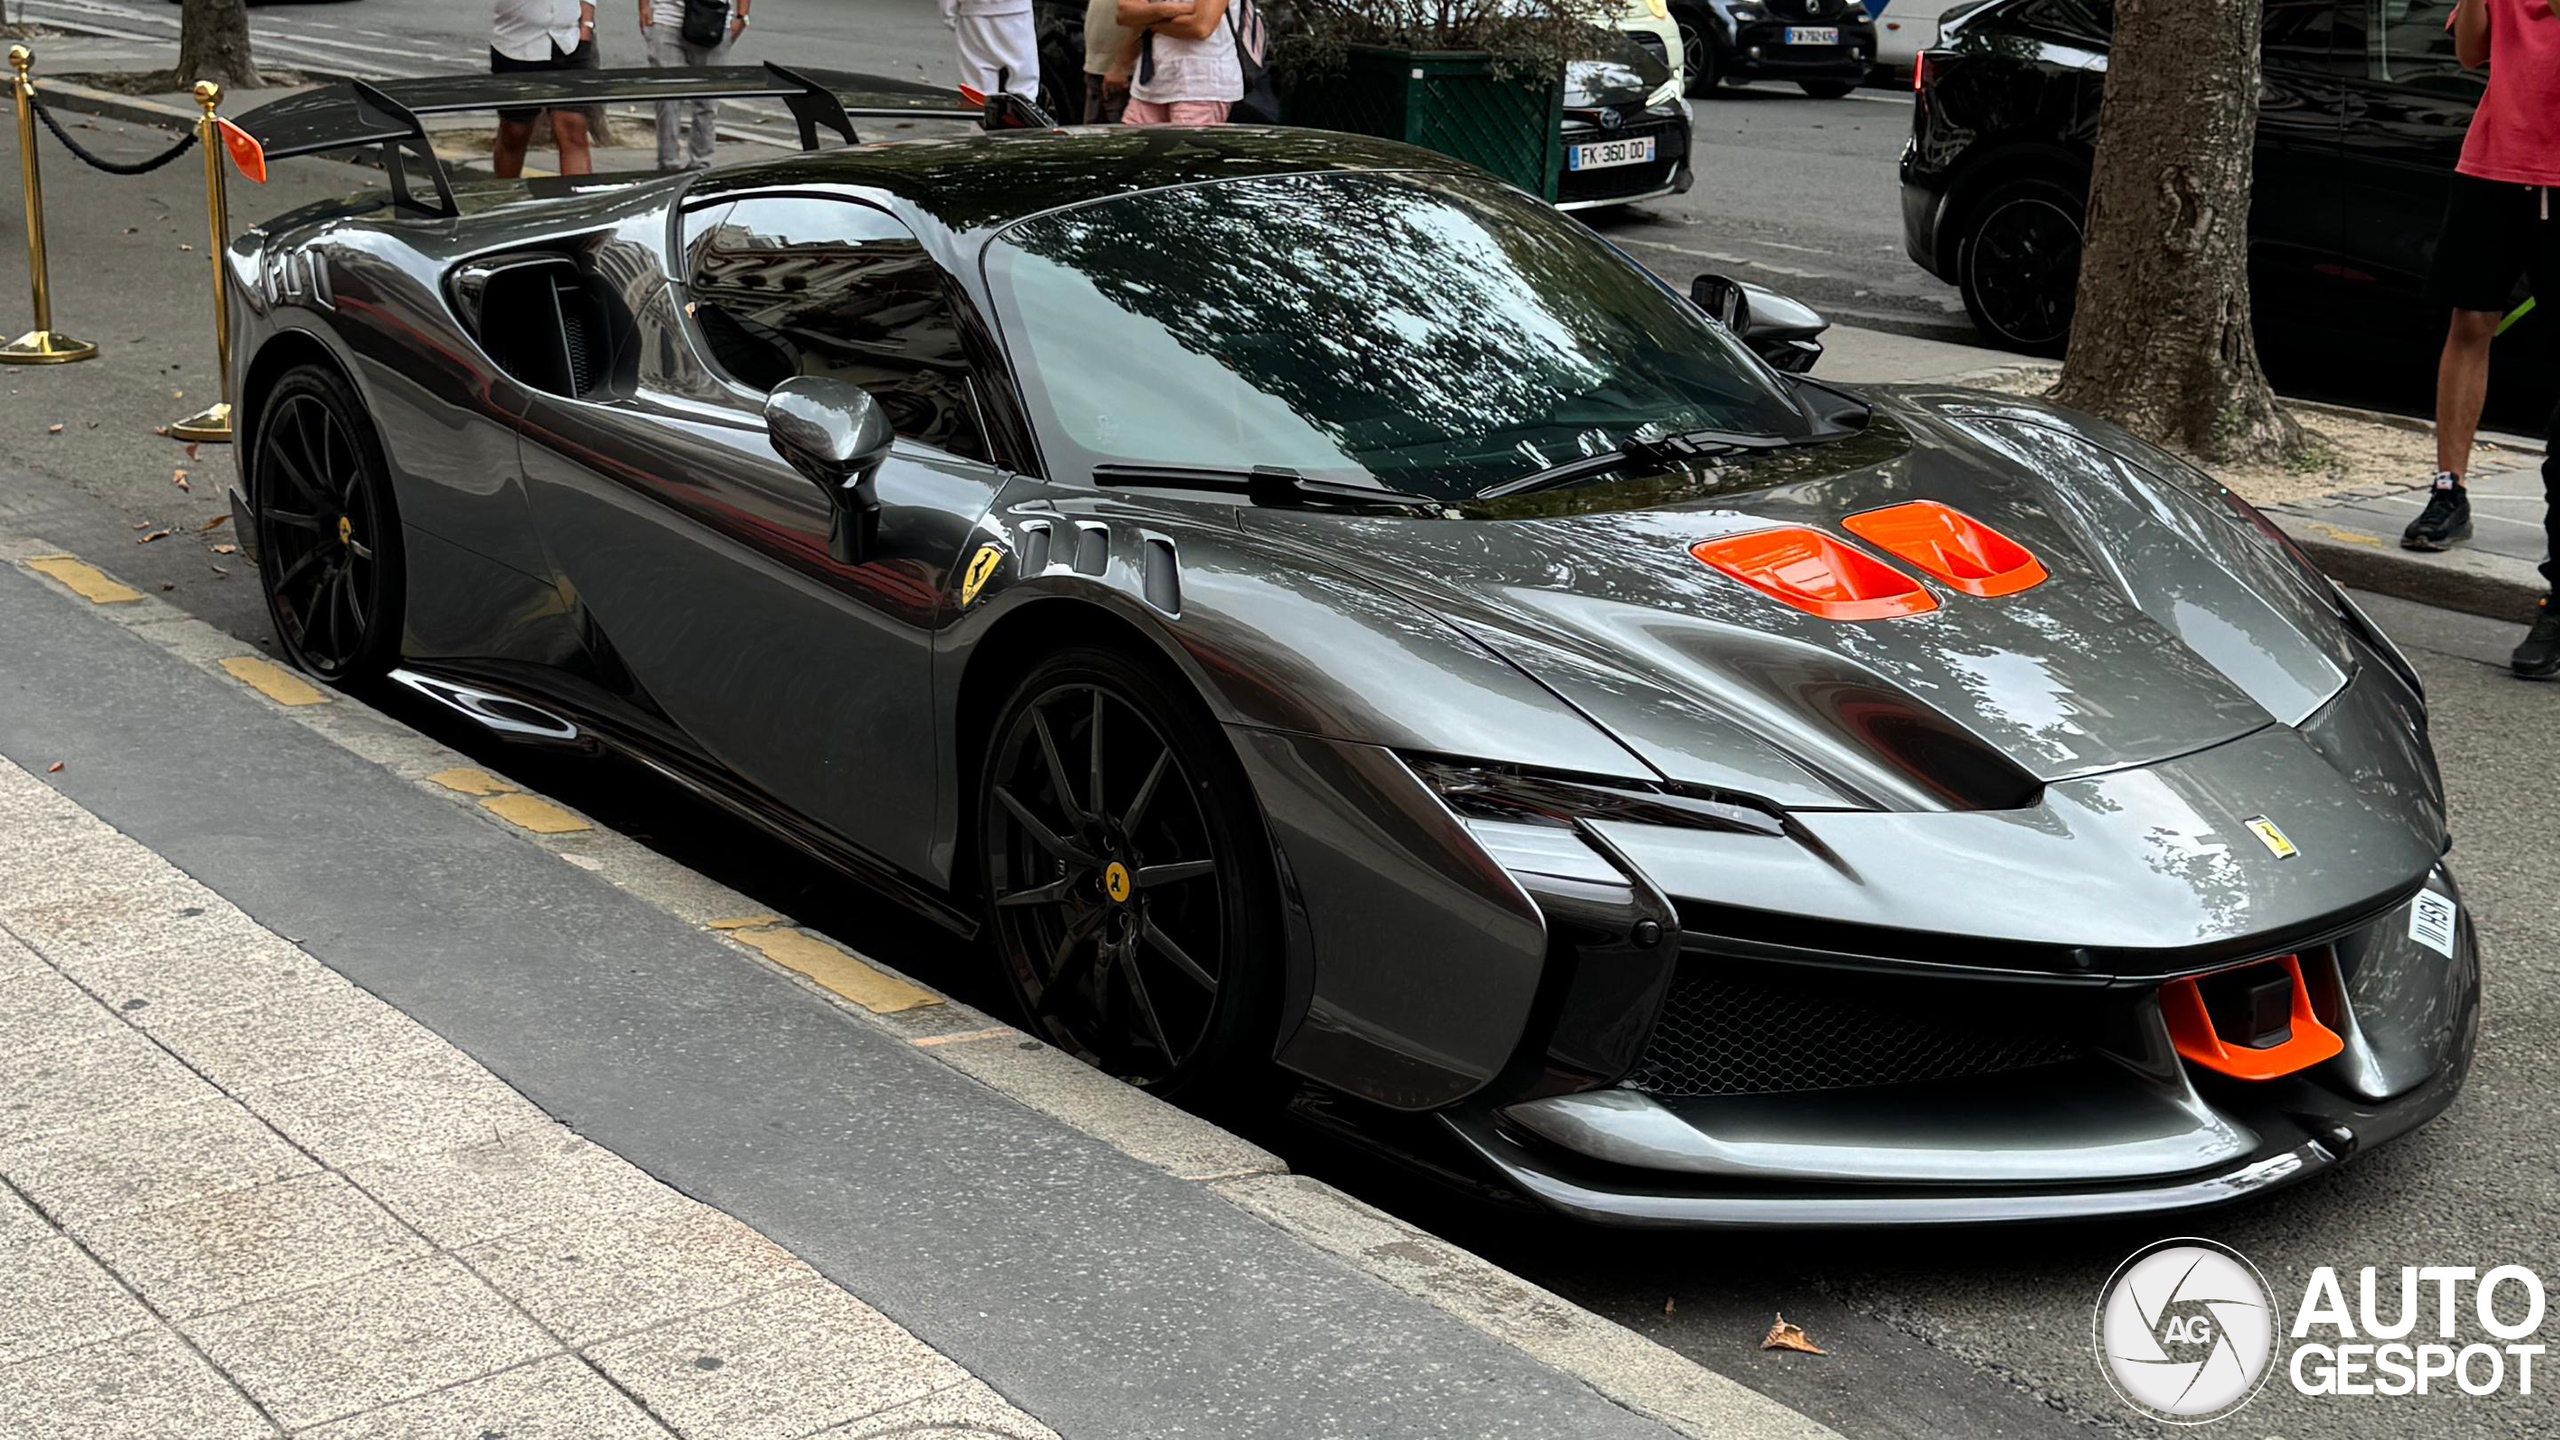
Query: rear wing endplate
391	113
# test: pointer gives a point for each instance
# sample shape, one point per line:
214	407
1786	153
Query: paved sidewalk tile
776	1367
421	1100
20	1225
41	1010
71	865
146	1384
535	1177
387	1335
175	948
115	1072
136	1162
613	1272
52	1298
295	1037
556	1399
252	1244
968	1411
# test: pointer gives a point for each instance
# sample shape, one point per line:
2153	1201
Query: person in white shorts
999	50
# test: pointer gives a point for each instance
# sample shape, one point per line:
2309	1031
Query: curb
1638	1374
2491	586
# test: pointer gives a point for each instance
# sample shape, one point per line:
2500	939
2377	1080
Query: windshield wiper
1270	485
1663	450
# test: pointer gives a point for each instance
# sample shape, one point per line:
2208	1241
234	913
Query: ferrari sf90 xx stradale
1308	604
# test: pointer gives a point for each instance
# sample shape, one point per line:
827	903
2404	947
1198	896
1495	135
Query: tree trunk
2160	336
213	44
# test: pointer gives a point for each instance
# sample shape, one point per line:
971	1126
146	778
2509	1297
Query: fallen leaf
1783	1336
56	765
175	395
185	246
154	535
191	448
141	524
1666	1304
179	479
54	429
168	584
226	549
215	522
156	429
218	570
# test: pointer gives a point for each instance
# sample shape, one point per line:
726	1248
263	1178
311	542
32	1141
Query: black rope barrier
112	167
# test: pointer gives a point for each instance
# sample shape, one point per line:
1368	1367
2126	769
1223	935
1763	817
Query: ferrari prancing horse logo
2272	836
1115	881
982	568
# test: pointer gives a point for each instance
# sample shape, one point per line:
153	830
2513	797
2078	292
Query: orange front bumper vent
1816	574
2306	1042
1951	546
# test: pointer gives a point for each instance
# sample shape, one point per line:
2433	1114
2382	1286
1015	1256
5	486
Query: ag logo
2269	834
982	568
2185	1331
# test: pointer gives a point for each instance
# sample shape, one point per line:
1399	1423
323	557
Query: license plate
1813	34
1600	155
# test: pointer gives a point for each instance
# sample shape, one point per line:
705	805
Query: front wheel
1697	53
1129	881
2019	268
1826	89
329	556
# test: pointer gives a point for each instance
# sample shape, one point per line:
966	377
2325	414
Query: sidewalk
361	1095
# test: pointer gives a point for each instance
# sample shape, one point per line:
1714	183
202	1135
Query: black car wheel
1826	89
2021	265
329	553
1697	52
1128	877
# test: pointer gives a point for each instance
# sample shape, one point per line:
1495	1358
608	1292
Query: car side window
2407	42
785	285
2298	35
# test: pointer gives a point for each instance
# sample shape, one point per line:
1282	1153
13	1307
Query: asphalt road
1962	1337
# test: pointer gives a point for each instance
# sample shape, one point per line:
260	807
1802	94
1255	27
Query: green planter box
1447	101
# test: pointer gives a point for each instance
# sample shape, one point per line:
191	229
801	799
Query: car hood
1625	76
2166	624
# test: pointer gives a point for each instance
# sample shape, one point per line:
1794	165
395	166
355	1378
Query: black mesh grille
1723	1034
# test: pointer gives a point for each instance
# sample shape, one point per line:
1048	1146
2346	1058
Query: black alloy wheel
2021	266
1128	878
1697	52
328	530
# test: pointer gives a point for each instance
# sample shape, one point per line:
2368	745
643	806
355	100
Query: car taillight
1919	71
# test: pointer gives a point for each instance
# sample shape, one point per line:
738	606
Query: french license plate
1813	34
1601	154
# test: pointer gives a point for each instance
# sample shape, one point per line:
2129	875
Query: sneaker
2538	658
2446	519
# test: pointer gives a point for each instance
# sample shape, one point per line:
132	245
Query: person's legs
1145	112
506	158
666	49
2480	254
1197	112
706	113
569	128
2462	382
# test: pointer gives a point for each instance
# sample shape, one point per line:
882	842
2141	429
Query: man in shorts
532	36
2501	224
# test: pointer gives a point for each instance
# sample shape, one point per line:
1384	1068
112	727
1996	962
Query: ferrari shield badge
2272	836
982	568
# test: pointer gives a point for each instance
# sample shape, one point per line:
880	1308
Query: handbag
706	23
1260	104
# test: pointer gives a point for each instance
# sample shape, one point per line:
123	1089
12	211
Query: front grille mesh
1723	1034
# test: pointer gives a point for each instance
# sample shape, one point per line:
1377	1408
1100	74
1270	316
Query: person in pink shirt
2501	222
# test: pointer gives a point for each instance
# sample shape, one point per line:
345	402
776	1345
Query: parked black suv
1825	46
2360	120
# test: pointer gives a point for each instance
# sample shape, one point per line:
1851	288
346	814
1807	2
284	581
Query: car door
2408	106
704	558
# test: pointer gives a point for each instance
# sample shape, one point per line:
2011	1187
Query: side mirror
833	432
1779	330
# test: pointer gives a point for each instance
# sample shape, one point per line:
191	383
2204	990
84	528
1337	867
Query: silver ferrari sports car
1312	608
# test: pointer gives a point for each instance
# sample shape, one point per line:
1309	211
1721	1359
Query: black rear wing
391	113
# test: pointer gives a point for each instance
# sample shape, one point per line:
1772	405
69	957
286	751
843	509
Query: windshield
1433	334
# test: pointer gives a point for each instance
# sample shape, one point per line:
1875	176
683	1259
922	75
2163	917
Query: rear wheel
1128	877
329	556
1826	89
2020	265
1697	51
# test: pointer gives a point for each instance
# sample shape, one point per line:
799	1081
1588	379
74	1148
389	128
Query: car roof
986	180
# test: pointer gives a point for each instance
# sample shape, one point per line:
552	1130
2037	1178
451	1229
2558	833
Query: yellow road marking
533	813
2346	537
841	971
998	1033
274	681
468	781
743	922
85	580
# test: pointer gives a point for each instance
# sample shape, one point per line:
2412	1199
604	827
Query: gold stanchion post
212	424
40	346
